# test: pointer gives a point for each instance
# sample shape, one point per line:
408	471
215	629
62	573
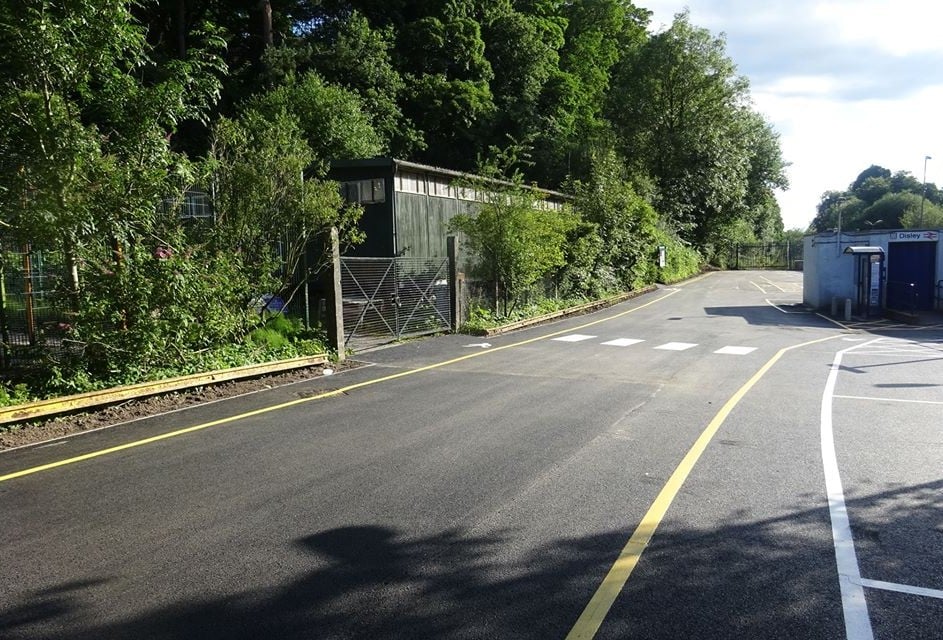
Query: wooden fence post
455	284
337	298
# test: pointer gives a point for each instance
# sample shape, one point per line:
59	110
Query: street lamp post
923	196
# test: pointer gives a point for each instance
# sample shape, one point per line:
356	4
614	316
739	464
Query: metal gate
387	299
771	255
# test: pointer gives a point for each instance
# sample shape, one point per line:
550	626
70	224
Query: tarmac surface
705	461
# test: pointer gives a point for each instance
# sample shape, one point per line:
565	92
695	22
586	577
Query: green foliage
682	260
256	166
481	318
931	216
682	116
516	240
349	53
13	394
625	223
331	119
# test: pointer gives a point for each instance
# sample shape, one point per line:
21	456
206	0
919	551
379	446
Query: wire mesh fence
33	317
769	255
387	299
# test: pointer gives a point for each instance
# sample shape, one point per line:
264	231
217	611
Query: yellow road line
599	605
327	394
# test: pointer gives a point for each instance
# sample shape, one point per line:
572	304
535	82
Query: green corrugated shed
418	201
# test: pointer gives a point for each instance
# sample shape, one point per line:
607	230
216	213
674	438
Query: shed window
364	191
411	183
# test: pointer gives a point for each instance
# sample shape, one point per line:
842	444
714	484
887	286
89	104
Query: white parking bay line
736	351
676	346
901	588
573	337
854	605
622	342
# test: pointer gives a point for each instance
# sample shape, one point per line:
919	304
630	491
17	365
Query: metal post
923	196
337	298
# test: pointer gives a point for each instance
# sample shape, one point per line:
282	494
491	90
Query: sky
846	83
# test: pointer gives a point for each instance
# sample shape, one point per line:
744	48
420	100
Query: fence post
455	285
337	298
28	294
4	334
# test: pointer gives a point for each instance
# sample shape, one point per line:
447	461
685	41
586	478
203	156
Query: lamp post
923	196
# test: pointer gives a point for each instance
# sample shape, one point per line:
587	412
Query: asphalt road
455	490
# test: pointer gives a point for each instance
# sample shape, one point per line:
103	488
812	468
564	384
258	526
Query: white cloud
896	28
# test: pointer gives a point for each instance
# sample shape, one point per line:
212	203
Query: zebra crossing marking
574	337
736	351
622	342
731	350
676	346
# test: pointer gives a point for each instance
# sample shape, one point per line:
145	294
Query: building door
911	269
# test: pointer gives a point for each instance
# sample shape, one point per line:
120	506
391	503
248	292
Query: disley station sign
914	236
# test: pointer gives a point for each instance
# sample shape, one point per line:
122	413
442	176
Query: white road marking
759	287
736	351
574	337
888	399
778	308
676	346
483	345
901	588
774	284
52	444
622	342
854	605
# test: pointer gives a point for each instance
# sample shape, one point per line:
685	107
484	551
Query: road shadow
763	578
791	315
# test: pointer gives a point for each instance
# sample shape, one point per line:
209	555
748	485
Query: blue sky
846	83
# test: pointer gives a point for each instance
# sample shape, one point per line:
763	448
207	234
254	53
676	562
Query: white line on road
676	346
573	337
774	284
854	606
622	342
901	588
759	287
888	399
778	308
736	351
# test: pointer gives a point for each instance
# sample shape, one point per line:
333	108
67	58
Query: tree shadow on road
766	578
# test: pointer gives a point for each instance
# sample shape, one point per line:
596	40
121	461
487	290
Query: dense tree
879	199
331	118
682	115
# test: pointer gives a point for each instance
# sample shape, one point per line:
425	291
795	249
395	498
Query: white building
900	270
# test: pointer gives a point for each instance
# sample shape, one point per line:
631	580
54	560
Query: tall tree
678	108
